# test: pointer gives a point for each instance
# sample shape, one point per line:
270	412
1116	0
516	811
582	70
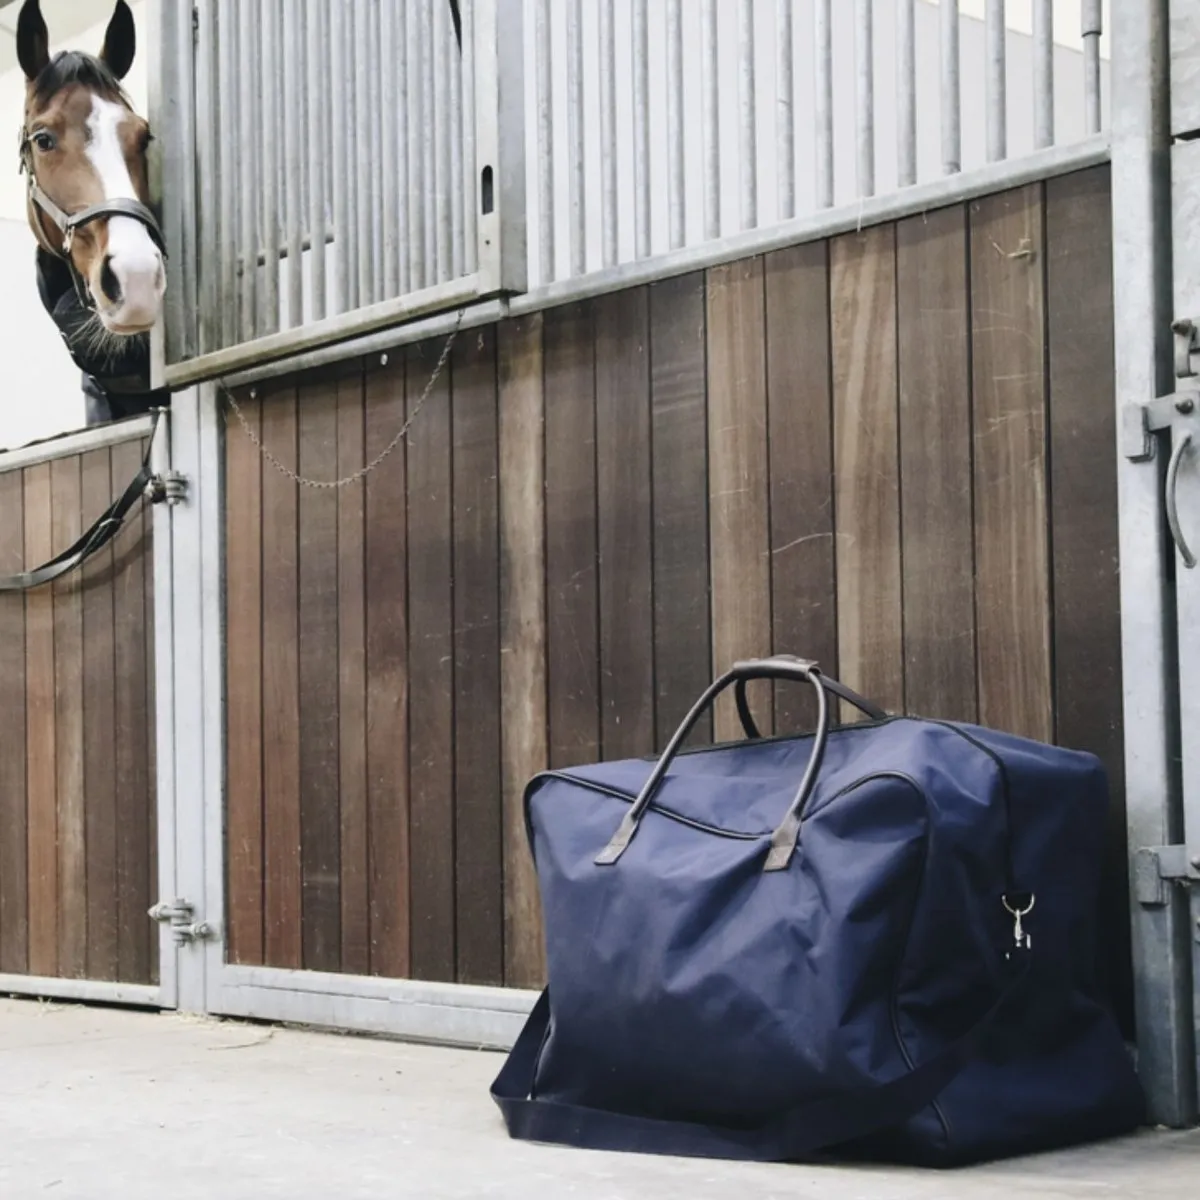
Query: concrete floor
98	1104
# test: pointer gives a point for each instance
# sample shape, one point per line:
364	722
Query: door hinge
178	914
1154	867
170	487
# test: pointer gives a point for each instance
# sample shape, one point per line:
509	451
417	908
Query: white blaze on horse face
134	258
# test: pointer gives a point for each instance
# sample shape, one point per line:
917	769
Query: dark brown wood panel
99	730
14	830
679	479
320	820
134	730
1087	595
1011	518
431	669
935	464
738	487
866	465
625	528
355	831
800	450
282	901
386	558
478	818
244	687
522	632
572	597
67	524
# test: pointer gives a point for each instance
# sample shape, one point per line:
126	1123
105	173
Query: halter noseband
68	223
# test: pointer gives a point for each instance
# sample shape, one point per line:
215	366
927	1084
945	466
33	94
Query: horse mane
73	66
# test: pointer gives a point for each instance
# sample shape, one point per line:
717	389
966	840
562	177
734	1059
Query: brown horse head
83	149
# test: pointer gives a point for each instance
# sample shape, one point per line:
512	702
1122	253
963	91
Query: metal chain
362	472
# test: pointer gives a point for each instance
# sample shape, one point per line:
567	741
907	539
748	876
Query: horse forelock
75	67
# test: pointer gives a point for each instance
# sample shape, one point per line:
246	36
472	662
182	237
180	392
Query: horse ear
33	40
120	41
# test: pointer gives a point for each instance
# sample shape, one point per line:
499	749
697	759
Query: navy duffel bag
875	941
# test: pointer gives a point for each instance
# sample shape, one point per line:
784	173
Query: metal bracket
170	487
1140	422
178	914
1154	867
1187	343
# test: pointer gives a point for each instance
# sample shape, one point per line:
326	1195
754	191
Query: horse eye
44	142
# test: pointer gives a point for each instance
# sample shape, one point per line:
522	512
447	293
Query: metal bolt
383	360
1196	864
254	393
1185	406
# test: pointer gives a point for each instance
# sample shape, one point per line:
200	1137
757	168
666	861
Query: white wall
40	395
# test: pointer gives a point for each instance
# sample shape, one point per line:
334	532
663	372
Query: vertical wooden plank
66	510
14	872
1011	518
737	483
679	478
431	671
935	464
320	818
387	680
522	632
479	817
282	900
133	731
244	627
799	410
99	728
1087	612
352	675
625	523
572	616
40	728
866	465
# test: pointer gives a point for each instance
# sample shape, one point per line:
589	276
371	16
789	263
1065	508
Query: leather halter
68	223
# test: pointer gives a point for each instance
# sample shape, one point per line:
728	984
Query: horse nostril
110	285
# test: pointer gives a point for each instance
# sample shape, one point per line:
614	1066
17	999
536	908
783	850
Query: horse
101	254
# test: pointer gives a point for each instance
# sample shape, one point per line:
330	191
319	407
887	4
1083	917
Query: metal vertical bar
340	130
292	158
951	90
747	101
864	45
209	265
362	124
641	129
470	192
442	34
228	171
379	183
400	137
906	91
1093	27
250	190
429	144
785	123
1143	311
454	139
676	197
608	132
578	224
997	81
318	118
415	116
712	122
823	36
269	67
391	48
545	130
1043	73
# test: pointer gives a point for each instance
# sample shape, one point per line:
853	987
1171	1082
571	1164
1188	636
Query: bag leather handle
835	688
785	837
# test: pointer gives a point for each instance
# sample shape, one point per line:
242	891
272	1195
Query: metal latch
178	914
170	487
1187	343
1154	867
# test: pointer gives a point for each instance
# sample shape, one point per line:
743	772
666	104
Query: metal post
864	45
249	114
1141	204
676	197
545	106
641	130
712	122
377	184
608	132
470	197
1093	27
785	112
499	40
271	117
229	169
823	36
394	171
293	152
906	91
443	35
951	90
575	152
343	221
429	147
1043	73
454	148
747	98
997	81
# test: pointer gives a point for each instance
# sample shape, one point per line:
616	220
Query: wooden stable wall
892	451
77	819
